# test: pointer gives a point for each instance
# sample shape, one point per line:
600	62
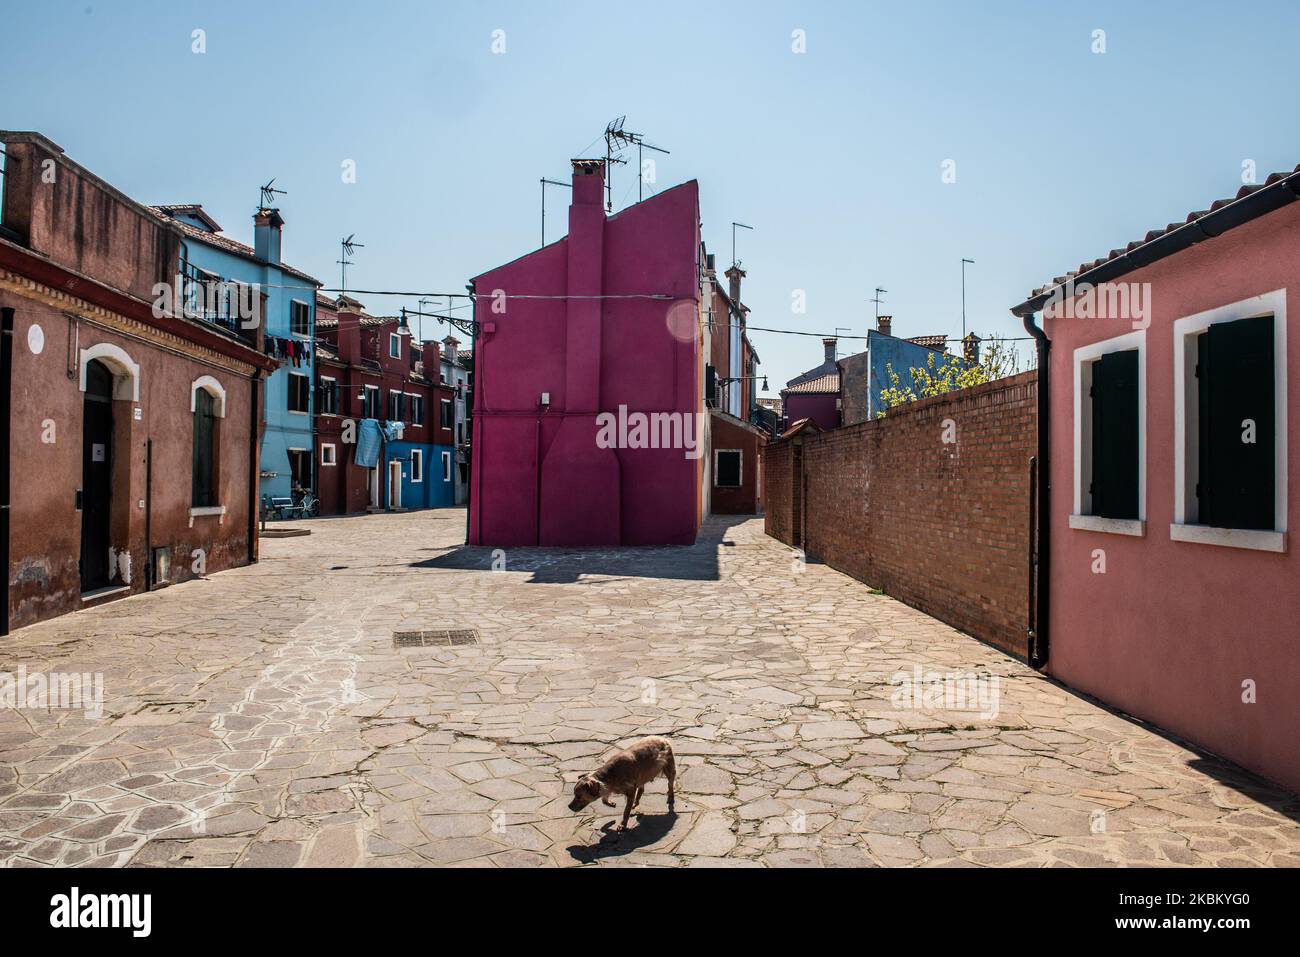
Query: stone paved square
265	718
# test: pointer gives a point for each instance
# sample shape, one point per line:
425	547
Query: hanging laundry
368	438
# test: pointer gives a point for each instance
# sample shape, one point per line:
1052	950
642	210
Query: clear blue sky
834	155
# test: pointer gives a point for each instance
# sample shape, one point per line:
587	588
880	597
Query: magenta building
1169	586
606	320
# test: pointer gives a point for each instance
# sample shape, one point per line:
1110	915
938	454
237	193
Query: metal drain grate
166	707
437	638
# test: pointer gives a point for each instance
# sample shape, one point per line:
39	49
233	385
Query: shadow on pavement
550	566
650	829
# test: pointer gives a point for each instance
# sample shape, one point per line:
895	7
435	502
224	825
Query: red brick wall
777	471
941	526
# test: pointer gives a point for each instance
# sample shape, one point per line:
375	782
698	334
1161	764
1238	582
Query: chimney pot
971	349
884	324
829	345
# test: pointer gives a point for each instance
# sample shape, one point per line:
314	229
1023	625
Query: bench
283	504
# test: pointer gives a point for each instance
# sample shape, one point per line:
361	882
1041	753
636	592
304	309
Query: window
417	410
460	432
327	396
726	468
328	454
446	466
446	412
417	465
299	318
394	345
1113	396
1230	456
370	405
299	396
1110	436
396	406
300	469
204	484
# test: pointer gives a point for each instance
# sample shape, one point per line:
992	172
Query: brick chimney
883	324
585	275
349	331
970	349
432	357
829	346
734	275
451	346
267	226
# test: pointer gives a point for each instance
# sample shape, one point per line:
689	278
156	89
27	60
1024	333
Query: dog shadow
650	828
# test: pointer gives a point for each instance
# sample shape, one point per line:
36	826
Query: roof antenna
878	301
269	192
624	137
734	260
349	250
613	134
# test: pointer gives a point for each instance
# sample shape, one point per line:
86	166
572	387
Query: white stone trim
126	371
207	511
214	388
1185	435
1110	526
1262	541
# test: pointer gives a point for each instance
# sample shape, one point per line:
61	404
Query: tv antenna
269	192
734	260
613	135
349	248
620	138
878	301
549	182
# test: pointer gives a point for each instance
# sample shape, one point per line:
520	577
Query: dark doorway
96	477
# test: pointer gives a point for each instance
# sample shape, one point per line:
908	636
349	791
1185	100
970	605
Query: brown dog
627	773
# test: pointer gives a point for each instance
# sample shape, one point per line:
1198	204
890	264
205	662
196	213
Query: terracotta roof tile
823	384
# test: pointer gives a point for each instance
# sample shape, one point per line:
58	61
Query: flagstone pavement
264	716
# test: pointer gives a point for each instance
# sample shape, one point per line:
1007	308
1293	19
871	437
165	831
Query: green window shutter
1235	384
203	485
1116	457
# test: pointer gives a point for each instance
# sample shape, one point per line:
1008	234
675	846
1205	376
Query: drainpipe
477	352
254	478
1042	570
6	382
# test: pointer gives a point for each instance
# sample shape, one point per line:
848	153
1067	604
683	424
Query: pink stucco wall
539	476
1172	629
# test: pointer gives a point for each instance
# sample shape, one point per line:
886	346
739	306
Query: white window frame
289	393
416	397
306	305
1081	516
214	388
335	381
1187	431
394	341
446	466
332	458
446	402
417	465
741	477
377	405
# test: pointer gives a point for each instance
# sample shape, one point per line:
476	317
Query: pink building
606	320
1171	431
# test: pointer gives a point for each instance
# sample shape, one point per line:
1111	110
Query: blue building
865	375
223	278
